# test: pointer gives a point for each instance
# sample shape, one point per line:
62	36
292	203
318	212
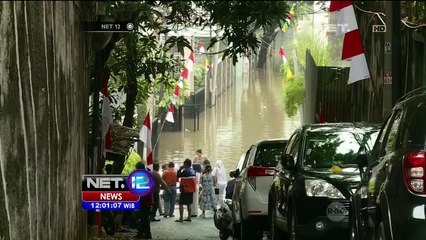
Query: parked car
250	197
315	178
391	198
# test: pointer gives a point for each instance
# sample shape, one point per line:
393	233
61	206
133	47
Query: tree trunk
132	84
269	36
44	119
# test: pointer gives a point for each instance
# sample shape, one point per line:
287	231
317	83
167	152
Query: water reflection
247	112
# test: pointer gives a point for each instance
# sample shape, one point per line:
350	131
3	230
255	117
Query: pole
396	52
159	134
95	128
95	114
387	63
208	88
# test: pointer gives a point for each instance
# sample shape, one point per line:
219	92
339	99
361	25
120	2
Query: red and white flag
189	67
282	55
352	43
201	47
106	119
145	136
190	63
169	116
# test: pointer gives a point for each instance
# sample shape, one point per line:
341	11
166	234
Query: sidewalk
167	228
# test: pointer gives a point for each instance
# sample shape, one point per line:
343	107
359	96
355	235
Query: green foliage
241	22
139	57
414	11
131	161
309	40
199	76
294	94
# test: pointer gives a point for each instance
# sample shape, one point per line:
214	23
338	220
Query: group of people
206	186
201	187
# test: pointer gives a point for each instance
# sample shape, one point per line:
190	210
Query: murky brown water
242	115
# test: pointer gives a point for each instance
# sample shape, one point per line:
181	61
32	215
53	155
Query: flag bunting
352	49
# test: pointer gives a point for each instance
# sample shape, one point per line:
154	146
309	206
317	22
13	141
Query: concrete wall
43	120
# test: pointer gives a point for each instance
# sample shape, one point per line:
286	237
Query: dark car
391	198
315	178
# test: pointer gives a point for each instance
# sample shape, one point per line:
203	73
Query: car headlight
321	188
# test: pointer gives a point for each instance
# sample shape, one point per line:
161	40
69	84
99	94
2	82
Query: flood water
245	113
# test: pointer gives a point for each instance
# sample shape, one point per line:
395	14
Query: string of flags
288	72
189	67
290	16
206	61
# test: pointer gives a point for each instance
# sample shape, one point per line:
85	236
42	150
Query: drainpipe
387	62
99	41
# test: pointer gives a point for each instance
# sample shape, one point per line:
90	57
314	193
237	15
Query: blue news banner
110	205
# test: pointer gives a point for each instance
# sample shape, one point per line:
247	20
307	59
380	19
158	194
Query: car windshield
340	148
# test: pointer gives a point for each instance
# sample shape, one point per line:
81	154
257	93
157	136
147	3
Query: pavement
167	228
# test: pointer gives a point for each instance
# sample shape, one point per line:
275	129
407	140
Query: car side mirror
236	173
232	174
362	162
287	161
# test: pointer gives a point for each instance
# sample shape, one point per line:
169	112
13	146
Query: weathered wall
43	120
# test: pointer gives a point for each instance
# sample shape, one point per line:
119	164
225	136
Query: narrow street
167	228
309	116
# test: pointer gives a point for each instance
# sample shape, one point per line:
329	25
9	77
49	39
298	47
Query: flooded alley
246	112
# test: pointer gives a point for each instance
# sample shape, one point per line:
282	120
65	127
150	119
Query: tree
131	55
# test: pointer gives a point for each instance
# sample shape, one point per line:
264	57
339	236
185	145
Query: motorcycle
223	219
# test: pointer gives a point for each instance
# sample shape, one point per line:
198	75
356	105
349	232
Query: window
414	130
335	146
291	143
378	146
393	133
268	155
247	157
295	149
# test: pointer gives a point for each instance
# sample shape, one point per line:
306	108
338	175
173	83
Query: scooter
223	219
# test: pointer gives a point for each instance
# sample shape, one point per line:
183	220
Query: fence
328	93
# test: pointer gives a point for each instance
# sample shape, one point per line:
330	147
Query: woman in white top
220	174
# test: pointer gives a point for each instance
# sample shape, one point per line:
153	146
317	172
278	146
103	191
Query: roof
272	140
346	126
414	95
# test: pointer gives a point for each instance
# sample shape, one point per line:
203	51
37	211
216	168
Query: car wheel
380	232
223	236
354	235
235	227
247	231
276	234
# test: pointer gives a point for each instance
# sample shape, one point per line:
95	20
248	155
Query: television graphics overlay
115	192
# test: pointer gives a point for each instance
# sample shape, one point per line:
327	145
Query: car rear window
268	155
414	135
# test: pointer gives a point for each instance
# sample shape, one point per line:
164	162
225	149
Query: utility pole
396	53
387	61
208	85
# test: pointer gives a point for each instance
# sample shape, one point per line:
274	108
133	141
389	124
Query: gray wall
43	120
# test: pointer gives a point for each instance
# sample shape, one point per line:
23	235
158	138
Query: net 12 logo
116	192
